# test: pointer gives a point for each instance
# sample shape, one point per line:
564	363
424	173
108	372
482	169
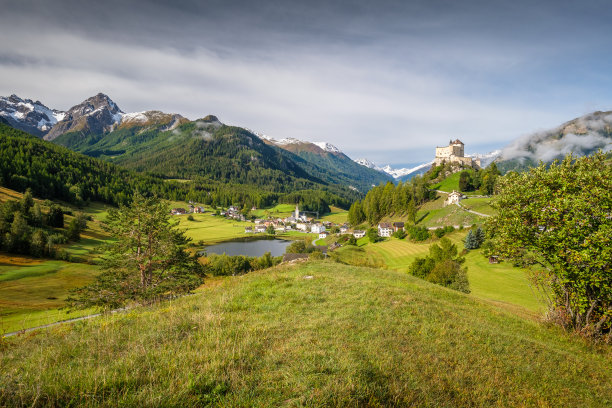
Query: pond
256	247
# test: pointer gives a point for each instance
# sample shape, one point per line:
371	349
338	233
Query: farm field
318	333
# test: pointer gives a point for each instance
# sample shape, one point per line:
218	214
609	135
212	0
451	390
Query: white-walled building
385	229
453	198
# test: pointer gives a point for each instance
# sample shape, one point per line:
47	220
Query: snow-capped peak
367	163
328	147
395	173
28	115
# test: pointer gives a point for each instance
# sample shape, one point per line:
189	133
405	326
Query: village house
343	229
453	198
199	210
323	235
317	228
302	226
385	229
398	226
248	230
359	234
260	228
178	211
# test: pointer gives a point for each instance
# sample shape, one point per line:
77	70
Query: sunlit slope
316	334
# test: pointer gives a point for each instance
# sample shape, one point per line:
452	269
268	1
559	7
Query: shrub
418	233
442	266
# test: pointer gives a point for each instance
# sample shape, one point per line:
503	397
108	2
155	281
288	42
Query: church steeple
297	212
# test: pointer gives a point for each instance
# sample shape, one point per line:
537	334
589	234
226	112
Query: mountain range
176	147
173	146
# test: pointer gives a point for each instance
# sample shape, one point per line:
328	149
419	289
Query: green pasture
480	204
31	291
500	283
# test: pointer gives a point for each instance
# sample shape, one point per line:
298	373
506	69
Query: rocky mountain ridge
27	115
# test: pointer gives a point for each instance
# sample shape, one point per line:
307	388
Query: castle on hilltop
454	153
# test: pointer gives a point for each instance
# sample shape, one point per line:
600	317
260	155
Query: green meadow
501	283
32	290
315	334
479	204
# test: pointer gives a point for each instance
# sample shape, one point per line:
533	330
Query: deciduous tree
560	219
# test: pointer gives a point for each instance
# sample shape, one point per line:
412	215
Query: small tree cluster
25	229
440	232
418	234
442	266
225	265
474	238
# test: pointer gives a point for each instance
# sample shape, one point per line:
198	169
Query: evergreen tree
471	241
55	217
27	202
480	236
147	261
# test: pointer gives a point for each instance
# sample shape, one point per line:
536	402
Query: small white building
323	235
343	229
317	228
453	198
301	226
385	229
359	234
260	228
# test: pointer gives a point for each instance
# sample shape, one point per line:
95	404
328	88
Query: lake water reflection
250	248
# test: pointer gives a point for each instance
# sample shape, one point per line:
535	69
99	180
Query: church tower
297	212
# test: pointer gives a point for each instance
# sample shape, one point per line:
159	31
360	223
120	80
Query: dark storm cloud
406	74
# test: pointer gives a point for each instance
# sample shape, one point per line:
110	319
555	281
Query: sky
385	80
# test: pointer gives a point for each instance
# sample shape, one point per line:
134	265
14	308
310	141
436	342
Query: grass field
31	290
449	215
281	210
500	283
337	216
211	229
480	204
318	334
449	184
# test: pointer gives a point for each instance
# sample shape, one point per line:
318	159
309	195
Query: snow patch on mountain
328	147
395	173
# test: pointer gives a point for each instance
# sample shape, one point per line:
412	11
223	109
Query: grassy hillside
500	283
319	334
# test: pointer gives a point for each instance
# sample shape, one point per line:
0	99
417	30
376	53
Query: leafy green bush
442	266
417	233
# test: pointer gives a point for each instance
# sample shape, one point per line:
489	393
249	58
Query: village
298	221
